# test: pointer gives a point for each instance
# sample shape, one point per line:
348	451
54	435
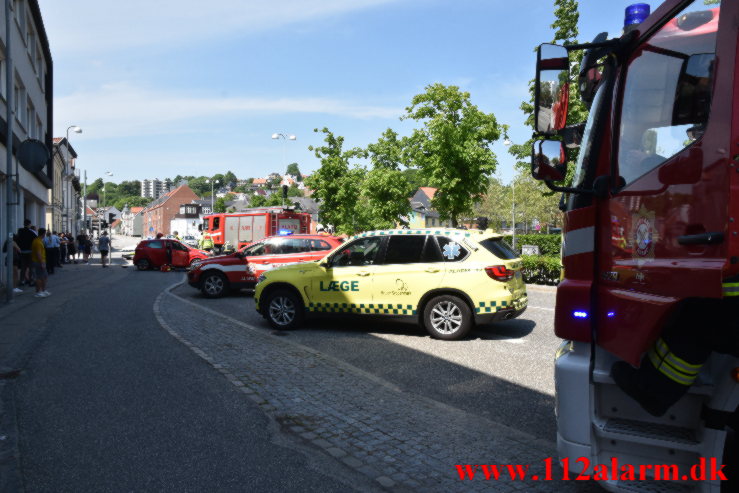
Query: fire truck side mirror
548	160
200	227
552	88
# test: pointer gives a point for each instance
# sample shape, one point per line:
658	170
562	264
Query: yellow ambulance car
445	279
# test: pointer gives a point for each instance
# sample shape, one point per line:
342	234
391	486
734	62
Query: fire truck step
648	433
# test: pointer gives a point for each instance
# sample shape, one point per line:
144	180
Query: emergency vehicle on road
648	373
239	229
445	279
217	276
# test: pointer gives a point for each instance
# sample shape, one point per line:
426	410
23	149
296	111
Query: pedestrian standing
16	252
38	264
55	249
104	247
62	250
86	249
46	239
24	238
71	249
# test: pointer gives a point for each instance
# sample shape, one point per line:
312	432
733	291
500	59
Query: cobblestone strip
401	440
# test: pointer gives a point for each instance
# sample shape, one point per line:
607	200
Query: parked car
216	276
154	253
190	240
444	279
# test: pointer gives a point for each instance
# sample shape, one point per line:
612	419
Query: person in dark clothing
24	238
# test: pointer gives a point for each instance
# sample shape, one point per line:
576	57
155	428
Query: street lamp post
507	142
212	193
285	138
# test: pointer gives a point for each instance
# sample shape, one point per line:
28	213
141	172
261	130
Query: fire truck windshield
584	158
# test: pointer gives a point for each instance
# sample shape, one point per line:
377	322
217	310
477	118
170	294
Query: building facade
155	188
187	220
157	216
30	99
63	214
131	221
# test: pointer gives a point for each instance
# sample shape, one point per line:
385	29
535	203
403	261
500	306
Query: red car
216	276
155	253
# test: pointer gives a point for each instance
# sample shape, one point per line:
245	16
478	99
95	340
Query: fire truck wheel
284	309
143	264
447	317
214	285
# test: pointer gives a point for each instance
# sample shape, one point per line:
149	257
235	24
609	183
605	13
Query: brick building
157	216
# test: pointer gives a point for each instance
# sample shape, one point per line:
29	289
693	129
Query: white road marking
541	308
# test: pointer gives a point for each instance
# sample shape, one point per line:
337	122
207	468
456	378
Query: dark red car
155	253
217	275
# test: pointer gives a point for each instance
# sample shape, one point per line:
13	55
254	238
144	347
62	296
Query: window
19	102
31	43
30	119
404	249
667	96
431	252
499	248
216	223
155	244
20	15
358	253
205	224
178	246
39	128
3	67
317	245
451	251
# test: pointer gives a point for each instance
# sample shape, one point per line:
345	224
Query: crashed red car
155	253
217	276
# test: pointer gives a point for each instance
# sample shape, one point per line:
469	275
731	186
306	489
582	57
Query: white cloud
95	26
123	110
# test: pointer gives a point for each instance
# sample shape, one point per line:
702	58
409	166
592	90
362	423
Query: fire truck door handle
364	273
701	239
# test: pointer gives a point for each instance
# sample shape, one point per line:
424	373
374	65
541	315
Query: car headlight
195	265
261	278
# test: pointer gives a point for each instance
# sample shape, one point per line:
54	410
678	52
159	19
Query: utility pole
10	204
84	204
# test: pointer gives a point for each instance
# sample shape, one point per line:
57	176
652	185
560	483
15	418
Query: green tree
96	186
414	178
452	150
274	180
257	201
337	184
229	177
294	170
129	188
132	201
220	205
200	186
386	188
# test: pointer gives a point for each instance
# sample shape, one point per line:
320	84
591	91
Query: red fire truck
651	240
242	228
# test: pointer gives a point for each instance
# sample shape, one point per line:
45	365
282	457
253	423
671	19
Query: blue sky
187	87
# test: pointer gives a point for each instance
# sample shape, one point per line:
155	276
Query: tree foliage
337	184
452	149
386	188
294	170
132	201
220	205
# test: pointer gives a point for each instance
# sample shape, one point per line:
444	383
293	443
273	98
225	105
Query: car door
412	266
668	220
180	254
156	253
345	282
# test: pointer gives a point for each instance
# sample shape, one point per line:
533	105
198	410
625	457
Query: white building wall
30	115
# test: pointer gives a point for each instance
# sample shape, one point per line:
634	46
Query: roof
136	210
259	181
428	191
165	197
115	223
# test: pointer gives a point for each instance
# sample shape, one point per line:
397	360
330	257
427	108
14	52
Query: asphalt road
503	372
110	402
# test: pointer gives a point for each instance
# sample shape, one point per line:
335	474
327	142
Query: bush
541	269
548	244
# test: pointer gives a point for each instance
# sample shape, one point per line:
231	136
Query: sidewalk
24	324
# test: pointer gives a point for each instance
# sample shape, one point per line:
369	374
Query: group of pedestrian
38	252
